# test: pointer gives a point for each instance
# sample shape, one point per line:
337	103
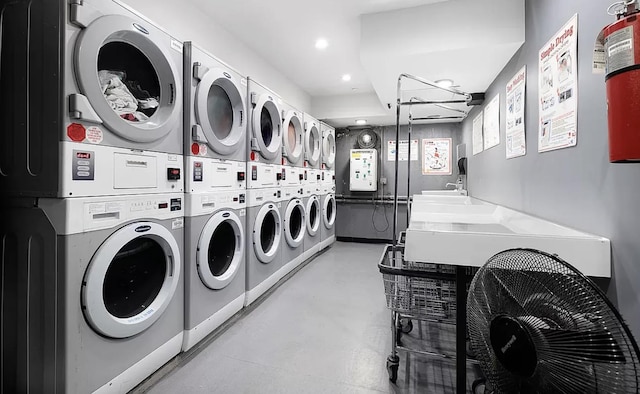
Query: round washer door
294	223
267	232
131	279
329	211
220	250
292	137
267	126
329	149
313	215
312	141
219	108
118	57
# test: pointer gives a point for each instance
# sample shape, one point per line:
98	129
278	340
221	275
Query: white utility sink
469	233
444	192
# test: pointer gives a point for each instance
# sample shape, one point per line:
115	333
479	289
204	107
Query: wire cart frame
424	291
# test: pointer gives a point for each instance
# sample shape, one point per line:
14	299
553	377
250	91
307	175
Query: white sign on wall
436	156
403	151
491	125
514	115
478	145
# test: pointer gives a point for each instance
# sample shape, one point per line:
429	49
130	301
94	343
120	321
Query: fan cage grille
582	343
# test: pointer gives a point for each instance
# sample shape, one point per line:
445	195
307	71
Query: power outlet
383	181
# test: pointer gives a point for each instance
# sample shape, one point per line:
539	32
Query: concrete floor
325	330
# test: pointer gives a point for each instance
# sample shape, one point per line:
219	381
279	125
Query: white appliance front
292	136
265	124
205	174
328	146
312	142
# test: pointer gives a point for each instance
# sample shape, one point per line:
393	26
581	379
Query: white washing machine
99	305
328	204
215	121
114	124
264	163
264	226
313	209
294	228
214	261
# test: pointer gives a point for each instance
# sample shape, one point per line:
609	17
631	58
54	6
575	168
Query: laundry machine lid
313	215
329	211
219	109
220	249
131	279
131	59
292	136
329	149
267	232
266	125
312	140
294	223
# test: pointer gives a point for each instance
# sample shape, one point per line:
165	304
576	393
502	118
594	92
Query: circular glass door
329	210
313	215
220	250
131	280
294	223
312	143
125	70
267	233
292	137
329	149
266	126
219	109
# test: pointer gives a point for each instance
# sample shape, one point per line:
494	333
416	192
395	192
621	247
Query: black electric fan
367	139
537	325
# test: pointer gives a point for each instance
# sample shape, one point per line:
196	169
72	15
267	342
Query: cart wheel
470	353
392	367
405	325
479	386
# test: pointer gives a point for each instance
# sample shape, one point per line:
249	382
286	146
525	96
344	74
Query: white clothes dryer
292	136
214	264
215	119
312	237
312	142
264	226
99	106
96	301
265	137
294	227
328	155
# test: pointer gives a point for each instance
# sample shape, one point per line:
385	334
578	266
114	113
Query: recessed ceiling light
346	77
321	43
361	122
444	83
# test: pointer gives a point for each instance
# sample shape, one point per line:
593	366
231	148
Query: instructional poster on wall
436	156
491	126
558	93
403	152
514	116
477	134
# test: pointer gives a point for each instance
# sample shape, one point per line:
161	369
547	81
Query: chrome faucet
455	185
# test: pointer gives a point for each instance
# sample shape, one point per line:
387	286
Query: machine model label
83	165
176	45
94	135
254	173
242	212
619	50
176	204
197	171
177	223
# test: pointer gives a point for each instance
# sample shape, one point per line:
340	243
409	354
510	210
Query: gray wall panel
577	187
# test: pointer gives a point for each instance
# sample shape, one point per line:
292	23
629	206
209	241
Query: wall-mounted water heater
363	170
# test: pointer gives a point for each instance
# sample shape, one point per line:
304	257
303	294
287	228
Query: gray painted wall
374	221
576	187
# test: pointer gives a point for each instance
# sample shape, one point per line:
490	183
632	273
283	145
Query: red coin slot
195	148
253	156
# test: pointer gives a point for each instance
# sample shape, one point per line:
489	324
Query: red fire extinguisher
622	54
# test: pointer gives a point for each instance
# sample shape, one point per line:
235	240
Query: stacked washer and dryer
264	197
293	211
93	197
215	160
311	186
328	185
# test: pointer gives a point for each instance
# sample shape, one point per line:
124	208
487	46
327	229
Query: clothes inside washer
127	98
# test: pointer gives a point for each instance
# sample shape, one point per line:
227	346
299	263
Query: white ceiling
374	41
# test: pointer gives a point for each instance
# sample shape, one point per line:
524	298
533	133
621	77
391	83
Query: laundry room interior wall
195	25
374	220
576	187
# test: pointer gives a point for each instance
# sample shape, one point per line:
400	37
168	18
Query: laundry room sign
436	156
